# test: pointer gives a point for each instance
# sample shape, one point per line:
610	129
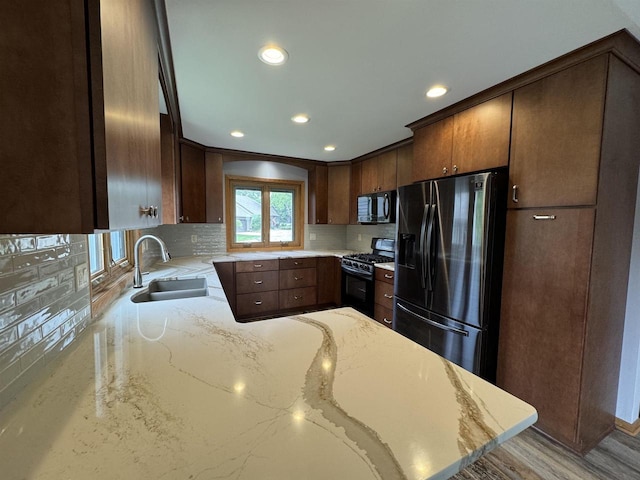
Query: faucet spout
137	274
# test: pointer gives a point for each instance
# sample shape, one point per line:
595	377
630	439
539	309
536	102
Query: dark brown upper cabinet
481	136
318	194
472	140
379	173
339	182
201	185
432	150
556	139
84	149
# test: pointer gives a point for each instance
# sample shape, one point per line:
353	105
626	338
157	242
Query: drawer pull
386	275
386	295
257	265
258	302
297	278
258	282
296	263
296	297
387	321
544	217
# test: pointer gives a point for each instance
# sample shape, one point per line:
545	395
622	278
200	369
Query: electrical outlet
312	236
359	237
194	238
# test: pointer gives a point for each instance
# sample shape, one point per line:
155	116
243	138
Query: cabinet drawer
256	265
256	282
384	275
289	263
383	315
301	277
297	297
384	294
255	304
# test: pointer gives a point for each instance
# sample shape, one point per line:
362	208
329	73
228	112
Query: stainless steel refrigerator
448	272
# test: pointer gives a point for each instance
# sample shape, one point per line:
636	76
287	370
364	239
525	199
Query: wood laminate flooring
531	456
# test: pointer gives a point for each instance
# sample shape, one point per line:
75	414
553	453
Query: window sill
106	292
264	249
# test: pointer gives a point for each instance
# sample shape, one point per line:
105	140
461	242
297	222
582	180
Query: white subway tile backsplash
26	244
34	289
327	237
7	301
41	311
8	338
359	236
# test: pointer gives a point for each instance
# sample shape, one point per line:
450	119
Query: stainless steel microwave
377	207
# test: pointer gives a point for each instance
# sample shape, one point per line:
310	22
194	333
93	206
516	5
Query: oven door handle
457	331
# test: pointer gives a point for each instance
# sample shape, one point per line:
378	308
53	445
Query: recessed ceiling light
237	134
273	55
330	148
300	118
437	91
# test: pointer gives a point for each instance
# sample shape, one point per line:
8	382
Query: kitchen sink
172	288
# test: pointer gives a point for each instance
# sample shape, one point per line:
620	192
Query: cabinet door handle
386	275
257	266
258	282
258	302
386	295
514	194
544	217
386	321
455	169
445	170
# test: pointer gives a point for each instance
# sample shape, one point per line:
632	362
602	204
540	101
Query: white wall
629	383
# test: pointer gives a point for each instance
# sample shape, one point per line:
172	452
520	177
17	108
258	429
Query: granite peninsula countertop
179	390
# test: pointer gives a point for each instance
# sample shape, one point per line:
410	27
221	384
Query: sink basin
170	289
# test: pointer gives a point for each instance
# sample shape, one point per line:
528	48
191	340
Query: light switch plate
82	276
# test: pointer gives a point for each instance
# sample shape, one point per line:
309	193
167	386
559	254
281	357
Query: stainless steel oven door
357	292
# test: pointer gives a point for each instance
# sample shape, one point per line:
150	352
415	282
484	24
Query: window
107	255
264	213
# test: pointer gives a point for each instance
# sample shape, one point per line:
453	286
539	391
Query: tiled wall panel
42	309
359	236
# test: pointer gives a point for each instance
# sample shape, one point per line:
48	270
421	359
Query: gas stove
362	264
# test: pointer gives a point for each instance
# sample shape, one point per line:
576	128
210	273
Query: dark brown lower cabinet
560	338
256	304
265	288
383	297
329	280
294	298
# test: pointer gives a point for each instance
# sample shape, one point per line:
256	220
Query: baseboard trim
632	429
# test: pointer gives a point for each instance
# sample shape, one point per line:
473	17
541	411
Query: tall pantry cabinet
574	157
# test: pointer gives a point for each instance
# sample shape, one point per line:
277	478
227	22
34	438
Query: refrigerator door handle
423	257
433	245
464	333
430	242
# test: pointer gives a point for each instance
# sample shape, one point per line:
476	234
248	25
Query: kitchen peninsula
179	389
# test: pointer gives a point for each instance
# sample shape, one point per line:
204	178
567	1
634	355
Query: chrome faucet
137	275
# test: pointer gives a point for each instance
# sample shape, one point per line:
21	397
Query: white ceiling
359	68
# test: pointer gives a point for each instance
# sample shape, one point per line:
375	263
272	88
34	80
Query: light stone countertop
177	389
387	266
